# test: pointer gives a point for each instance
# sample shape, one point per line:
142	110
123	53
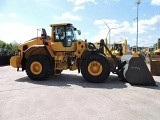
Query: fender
34	50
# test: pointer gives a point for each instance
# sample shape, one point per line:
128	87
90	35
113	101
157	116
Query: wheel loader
46	55
118	48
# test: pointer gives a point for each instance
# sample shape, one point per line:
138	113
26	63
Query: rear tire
38	67
95	68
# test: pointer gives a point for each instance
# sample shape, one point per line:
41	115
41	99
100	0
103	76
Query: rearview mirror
43	34
79	32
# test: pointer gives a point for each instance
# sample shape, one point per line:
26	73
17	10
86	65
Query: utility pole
138	2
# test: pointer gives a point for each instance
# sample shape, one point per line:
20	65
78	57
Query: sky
20	19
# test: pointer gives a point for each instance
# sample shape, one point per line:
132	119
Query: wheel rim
95	68
36	68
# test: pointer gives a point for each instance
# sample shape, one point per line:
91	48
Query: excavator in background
43	56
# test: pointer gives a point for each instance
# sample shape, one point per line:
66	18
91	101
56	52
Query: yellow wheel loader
157	52
43	56
118	49
149	51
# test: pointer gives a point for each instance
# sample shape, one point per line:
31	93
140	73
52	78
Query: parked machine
149	51
157	50
118	48
136	50
46	55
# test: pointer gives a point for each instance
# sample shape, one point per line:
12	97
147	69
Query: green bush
8	48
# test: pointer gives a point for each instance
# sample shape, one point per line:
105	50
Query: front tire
38	67
95	68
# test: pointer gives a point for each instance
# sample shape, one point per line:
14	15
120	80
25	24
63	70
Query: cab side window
59	34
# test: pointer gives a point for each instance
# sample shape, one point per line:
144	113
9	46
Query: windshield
70	34
117	47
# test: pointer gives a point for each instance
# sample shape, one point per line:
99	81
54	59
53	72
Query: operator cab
64	33
119	48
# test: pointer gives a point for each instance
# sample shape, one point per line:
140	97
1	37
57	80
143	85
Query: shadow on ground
156	87
67	80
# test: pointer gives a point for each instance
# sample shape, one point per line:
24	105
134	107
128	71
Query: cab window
59	34
64	34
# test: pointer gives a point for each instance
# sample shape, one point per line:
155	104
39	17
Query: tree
14	47
9	47
2	44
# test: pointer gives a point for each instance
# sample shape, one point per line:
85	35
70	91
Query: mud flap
138	72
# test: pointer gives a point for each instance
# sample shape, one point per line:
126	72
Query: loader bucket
138	72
